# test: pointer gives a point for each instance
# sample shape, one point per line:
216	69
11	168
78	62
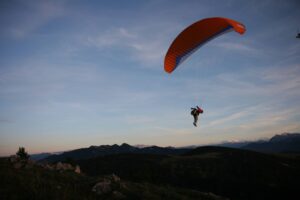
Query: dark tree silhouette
22	154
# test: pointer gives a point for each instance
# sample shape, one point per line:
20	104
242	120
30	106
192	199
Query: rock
109	184
63	166
102	187
67	166
18	163
77	169
59	166
49	167
115	178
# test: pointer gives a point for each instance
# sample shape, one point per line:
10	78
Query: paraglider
192	38
195	112
196	35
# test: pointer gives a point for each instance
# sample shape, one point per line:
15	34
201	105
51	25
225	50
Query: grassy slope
38	183
238	174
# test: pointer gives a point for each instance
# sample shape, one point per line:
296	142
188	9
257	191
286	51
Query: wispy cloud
34	14
230	118
143	45
233	46
270	122
270	81
116	37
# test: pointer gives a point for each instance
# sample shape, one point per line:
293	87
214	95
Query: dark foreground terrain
36	182
202	173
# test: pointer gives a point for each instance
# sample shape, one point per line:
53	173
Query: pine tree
22	154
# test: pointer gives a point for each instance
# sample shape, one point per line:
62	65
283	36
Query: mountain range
103	150
286	142
283	143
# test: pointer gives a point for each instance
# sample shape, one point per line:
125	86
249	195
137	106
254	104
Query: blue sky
81	73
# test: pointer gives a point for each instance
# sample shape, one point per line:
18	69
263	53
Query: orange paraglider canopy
194	36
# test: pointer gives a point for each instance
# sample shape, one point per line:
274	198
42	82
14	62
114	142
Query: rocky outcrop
64	167
109	185
77	169
103	187
19	163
